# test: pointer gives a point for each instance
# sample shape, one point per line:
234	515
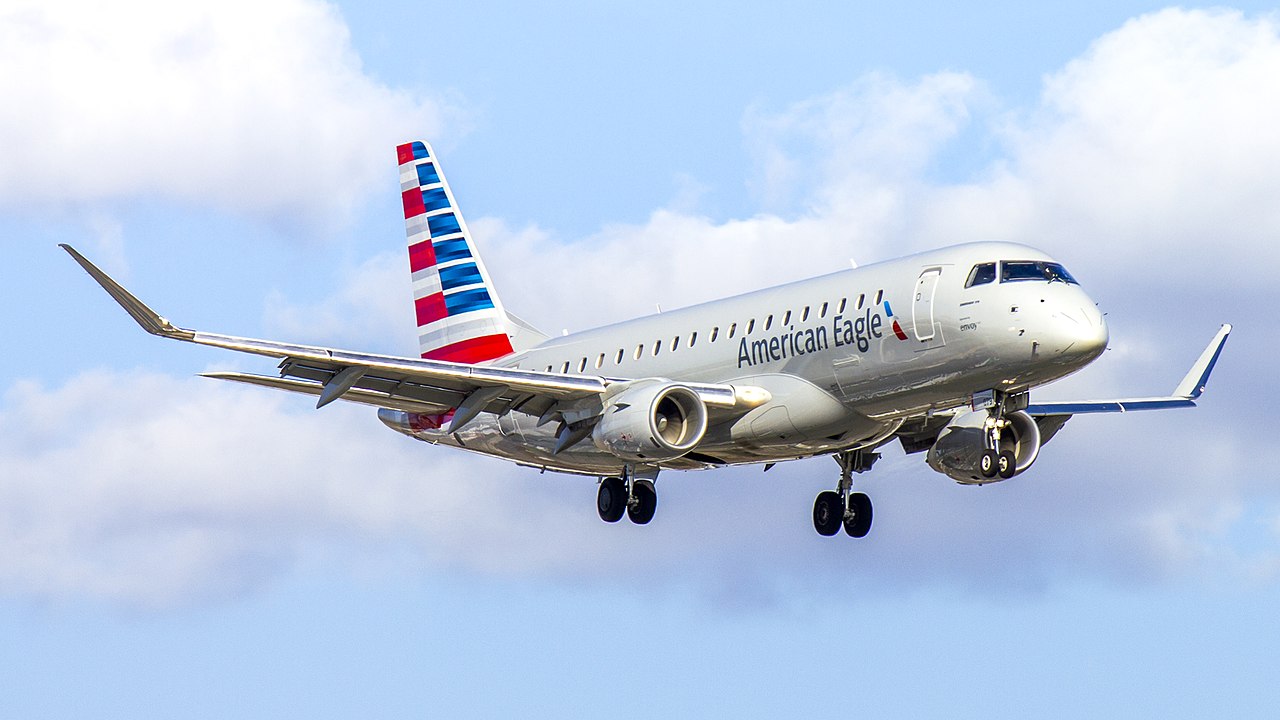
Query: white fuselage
848	358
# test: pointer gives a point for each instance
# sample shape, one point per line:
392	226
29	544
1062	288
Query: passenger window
862	299
693	339
786	319
751	325
768	322
732	329
619	360
804	316
657	348
582	366
842	304
675	343
823	312
879	296
600	361
639	350
548	368
981	274
715	333
565	369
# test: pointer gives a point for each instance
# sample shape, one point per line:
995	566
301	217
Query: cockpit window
1017	270
981	274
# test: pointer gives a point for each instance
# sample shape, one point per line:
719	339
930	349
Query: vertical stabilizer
459	315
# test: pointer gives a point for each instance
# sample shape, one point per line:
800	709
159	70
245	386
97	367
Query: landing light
751	396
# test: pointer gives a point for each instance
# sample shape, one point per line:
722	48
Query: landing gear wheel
989	465
1007	465
828	513
644	502
611	500
857	522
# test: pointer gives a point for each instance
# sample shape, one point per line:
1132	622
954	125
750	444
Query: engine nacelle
651	420
958	450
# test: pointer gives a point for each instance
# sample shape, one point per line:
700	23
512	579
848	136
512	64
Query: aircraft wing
1185	395
409	384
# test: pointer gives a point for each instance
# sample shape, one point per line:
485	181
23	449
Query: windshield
981	274
1017	270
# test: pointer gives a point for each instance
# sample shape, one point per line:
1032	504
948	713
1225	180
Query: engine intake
958	450
651	420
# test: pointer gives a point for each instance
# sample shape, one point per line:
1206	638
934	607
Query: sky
175	547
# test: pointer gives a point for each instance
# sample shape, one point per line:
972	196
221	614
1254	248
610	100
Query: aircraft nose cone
1082	333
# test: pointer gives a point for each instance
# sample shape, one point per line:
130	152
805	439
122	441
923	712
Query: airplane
938	351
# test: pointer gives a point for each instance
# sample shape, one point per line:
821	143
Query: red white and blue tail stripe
459	316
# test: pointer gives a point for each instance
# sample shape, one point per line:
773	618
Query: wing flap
357	395
454	375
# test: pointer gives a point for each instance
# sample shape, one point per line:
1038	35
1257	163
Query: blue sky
173	547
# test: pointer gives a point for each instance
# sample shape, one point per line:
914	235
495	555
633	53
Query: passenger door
922	304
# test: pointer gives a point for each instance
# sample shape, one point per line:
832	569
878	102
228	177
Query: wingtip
1197	379
150	321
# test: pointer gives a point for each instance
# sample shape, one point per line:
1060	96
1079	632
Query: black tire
857	522
1008	464
646	502
828	513
989	465
611	500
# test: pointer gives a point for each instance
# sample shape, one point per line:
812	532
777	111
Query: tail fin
459	315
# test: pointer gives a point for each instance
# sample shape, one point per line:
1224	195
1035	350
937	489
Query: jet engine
957	453
651	420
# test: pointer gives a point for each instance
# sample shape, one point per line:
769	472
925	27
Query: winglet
145	316
1194	383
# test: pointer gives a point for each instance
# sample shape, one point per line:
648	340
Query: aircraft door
922	304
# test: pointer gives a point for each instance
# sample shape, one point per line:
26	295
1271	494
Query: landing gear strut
834	508
636	497
995	461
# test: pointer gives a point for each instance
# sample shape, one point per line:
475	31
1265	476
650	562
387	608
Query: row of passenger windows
656	348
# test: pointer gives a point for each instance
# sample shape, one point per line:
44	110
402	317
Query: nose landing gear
841	507
995	461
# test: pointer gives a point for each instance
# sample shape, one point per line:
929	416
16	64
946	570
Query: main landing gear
834	508
627	494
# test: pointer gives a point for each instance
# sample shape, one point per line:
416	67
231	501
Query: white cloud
250	106
371	310
829	153
152	491
1157	139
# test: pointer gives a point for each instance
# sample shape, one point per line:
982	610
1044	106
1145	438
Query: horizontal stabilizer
524	335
